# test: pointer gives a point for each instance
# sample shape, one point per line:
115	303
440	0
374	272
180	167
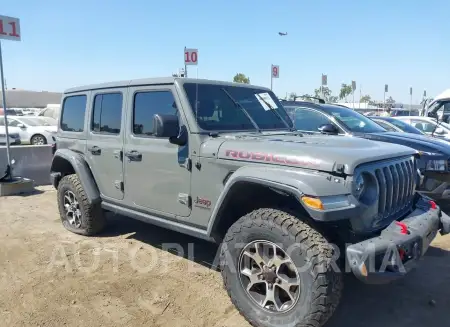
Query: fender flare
262	176
80	167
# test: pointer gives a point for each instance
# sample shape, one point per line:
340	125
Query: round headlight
359	185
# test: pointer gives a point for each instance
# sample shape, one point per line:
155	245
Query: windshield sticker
266	101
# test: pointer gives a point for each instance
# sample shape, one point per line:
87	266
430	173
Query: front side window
107	113
73	111
424	126
13	122
405	127
146	105
219	108
352	120
309	120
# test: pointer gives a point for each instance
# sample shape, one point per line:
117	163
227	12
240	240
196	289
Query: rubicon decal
270	157
202	202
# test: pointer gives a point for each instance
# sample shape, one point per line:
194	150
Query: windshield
405	127
216	110
352	120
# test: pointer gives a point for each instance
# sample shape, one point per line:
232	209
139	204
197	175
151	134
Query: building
16	98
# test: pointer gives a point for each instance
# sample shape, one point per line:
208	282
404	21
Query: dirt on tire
134	274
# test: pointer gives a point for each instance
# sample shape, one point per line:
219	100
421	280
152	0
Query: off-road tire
92	215
321	285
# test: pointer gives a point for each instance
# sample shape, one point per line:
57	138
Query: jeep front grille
396	184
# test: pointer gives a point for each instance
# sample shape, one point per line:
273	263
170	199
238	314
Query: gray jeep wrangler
221	161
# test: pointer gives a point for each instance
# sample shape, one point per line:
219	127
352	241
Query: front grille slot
396	184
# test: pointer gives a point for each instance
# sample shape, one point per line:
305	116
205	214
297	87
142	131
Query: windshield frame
197	129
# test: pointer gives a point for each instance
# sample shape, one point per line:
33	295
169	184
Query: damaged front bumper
397	249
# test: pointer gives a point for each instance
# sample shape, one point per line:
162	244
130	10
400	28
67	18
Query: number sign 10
191	56
13	28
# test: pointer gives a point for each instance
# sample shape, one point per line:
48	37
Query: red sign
190	56
275	71
9	28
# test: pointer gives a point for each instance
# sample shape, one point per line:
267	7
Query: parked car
32	130
221	161
396	125
14	138
439	107
333	120
430	126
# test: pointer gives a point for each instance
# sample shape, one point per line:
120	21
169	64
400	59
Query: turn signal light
432	204
313	203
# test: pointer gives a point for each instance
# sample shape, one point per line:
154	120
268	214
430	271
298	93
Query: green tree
346	90
390	100
241	78
365	99
333	99
323	92
292	96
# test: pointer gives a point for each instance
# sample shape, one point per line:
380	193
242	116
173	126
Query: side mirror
165	126
328	129
168	126
20	125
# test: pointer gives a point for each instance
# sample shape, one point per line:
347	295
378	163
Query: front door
155	178
105	141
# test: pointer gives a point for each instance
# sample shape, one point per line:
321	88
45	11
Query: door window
309	120
146	105
424	126
107	113
73	111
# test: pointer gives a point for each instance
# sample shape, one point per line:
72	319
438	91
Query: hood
415	141
322	152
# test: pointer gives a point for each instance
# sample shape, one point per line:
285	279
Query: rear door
105	140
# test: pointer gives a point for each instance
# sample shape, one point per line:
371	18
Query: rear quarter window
73	112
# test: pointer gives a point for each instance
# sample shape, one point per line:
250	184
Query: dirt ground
132	276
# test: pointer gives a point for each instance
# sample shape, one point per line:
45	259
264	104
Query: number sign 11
9	28
190	56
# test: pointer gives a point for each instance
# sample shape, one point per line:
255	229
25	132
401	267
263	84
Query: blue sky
67	43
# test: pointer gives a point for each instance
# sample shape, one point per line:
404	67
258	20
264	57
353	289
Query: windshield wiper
276	113
238	105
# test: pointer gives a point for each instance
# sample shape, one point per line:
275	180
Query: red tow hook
432	204
403	227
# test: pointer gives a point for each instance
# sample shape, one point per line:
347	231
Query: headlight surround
364	188
358	186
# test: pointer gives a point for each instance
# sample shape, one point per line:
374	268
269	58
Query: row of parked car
427	135
32	130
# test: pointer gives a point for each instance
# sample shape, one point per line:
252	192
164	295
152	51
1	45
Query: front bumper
397	249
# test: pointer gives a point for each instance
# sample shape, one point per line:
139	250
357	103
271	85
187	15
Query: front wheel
278	271
38	139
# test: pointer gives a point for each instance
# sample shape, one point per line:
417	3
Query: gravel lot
127	277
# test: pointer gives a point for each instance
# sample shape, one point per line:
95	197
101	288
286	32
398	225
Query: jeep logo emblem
202	202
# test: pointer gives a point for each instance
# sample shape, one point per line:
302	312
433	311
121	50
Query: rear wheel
278	270
38	139
77	214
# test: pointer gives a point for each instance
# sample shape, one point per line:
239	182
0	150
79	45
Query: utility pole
185	66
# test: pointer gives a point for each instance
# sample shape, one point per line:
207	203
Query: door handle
95	150
133	156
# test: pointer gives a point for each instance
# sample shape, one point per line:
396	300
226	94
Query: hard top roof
155	81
